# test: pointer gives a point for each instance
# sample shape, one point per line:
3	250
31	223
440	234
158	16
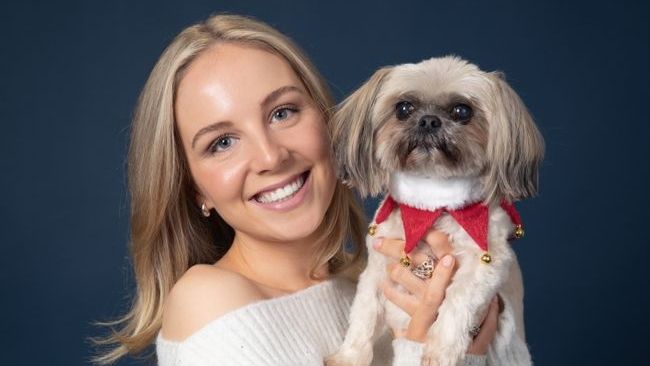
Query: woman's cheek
225	183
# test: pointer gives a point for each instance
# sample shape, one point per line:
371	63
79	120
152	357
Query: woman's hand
482	341
423	297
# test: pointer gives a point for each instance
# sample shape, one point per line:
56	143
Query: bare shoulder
201	295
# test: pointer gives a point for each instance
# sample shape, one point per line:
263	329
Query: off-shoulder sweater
301	328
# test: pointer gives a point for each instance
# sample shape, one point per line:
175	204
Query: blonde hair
168	232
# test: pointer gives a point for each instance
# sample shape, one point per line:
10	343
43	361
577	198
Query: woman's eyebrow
278	92
209	128
269	99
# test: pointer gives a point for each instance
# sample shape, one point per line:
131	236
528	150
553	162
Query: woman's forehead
236	70
227	82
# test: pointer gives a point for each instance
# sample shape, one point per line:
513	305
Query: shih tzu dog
453	147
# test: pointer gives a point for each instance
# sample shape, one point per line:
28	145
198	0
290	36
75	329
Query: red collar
473	218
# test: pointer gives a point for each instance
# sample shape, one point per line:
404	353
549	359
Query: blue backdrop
72	70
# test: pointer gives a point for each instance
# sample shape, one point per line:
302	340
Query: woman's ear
352	130
515	145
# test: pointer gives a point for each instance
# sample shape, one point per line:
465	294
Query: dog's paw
337	359
437	354
438	360
361	356
433	360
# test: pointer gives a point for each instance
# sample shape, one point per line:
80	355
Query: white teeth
282	193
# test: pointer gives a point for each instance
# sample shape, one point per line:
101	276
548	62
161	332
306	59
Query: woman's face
256	143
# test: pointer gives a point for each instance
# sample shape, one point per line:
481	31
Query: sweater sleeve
409	353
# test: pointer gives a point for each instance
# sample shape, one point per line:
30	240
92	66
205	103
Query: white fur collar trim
431	192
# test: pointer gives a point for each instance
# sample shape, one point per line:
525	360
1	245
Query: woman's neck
278	267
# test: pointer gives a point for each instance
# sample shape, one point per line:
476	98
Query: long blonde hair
168	232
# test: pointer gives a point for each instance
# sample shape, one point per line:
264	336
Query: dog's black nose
429	123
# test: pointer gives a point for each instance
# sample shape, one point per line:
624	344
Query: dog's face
442	117
430	120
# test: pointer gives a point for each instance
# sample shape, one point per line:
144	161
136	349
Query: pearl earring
205	210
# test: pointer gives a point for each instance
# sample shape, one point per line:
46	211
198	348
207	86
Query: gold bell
486	258
372	229
519	232
405	261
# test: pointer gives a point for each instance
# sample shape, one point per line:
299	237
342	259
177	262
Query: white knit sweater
296	329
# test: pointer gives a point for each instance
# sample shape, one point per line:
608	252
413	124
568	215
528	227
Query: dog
453	144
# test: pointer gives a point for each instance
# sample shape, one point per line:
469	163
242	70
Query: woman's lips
287	204
280	185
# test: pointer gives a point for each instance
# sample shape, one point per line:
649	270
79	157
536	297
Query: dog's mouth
431	146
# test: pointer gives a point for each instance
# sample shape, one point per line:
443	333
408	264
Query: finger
434	294
439	242
407	279
406	301
489	325
481	343
442	273
392	248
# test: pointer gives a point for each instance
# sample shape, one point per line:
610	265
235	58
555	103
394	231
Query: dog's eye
461	113
403	110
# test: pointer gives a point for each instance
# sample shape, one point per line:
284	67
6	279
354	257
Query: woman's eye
283	113
461	113
403	110
222	143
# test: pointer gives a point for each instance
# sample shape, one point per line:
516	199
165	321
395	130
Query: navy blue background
71	73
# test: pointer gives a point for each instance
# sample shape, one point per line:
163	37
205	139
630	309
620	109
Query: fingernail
377	244
447	261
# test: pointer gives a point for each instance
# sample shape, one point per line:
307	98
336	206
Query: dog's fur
490	157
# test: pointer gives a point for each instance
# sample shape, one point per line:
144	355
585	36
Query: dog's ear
353	138
515	146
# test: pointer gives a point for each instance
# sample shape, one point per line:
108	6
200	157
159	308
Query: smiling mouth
283	193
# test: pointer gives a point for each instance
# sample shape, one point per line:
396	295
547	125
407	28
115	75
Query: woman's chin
295	232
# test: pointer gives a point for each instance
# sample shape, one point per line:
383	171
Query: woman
238	222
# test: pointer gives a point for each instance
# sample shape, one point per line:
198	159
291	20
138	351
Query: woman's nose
269	153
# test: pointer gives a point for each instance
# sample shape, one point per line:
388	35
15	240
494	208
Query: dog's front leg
509	346
448	338
466	298
366	316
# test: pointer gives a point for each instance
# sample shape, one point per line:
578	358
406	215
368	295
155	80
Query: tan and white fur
407	132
